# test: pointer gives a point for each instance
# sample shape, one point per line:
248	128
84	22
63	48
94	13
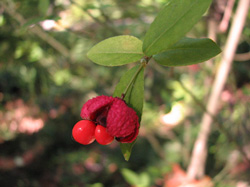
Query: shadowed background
45	78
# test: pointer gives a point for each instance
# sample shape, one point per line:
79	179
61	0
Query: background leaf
172	23
116	51
42	84
144	180
130	176
135	179
134	99
43	6
188	51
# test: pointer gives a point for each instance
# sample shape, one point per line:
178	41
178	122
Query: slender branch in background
212	32
242	57
105	16
218	123
196	168
216	120
212	29
155	145
104	24
81	33
10	9
226	17
187	143
51	41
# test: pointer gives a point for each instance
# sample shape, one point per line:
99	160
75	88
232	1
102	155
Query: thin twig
216	120
155	145
196	168
36	29
242	57
227	15
104	24
203	107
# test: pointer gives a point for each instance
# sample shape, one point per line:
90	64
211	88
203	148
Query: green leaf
144	180
116	51
126	149
172	23
138	180
188	51
134	98
43	6
130	176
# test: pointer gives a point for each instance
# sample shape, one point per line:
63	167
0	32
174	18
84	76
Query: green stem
132	81
144	62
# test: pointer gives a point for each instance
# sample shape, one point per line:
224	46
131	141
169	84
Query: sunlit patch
59	25
30	125
48	24
174	117
226	96
19	117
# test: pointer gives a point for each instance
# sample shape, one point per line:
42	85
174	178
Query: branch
242	57
196	168
218	122
36	29
227	15
155	145
104	24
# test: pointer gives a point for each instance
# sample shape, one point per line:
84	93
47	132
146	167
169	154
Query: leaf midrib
168	28
173	49
118	53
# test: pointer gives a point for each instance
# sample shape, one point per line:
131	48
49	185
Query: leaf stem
144	62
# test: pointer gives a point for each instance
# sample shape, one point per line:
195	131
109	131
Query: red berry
120	120
102	136
84	132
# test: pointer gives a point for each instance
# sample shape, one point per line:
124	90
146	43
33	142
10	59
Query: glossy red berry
102	136
84	132
115	115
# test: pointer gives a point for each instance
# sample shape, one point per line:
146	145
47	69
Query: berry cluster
85	132
106	118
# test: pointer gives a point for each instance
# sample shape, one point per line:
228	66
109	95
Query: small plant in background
166	44
135	179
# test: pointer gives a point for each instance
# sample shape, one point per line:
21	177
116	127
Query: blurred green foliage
45	74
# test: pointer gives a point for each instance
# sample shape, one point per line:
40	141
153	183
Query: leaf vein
158	38
140	53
